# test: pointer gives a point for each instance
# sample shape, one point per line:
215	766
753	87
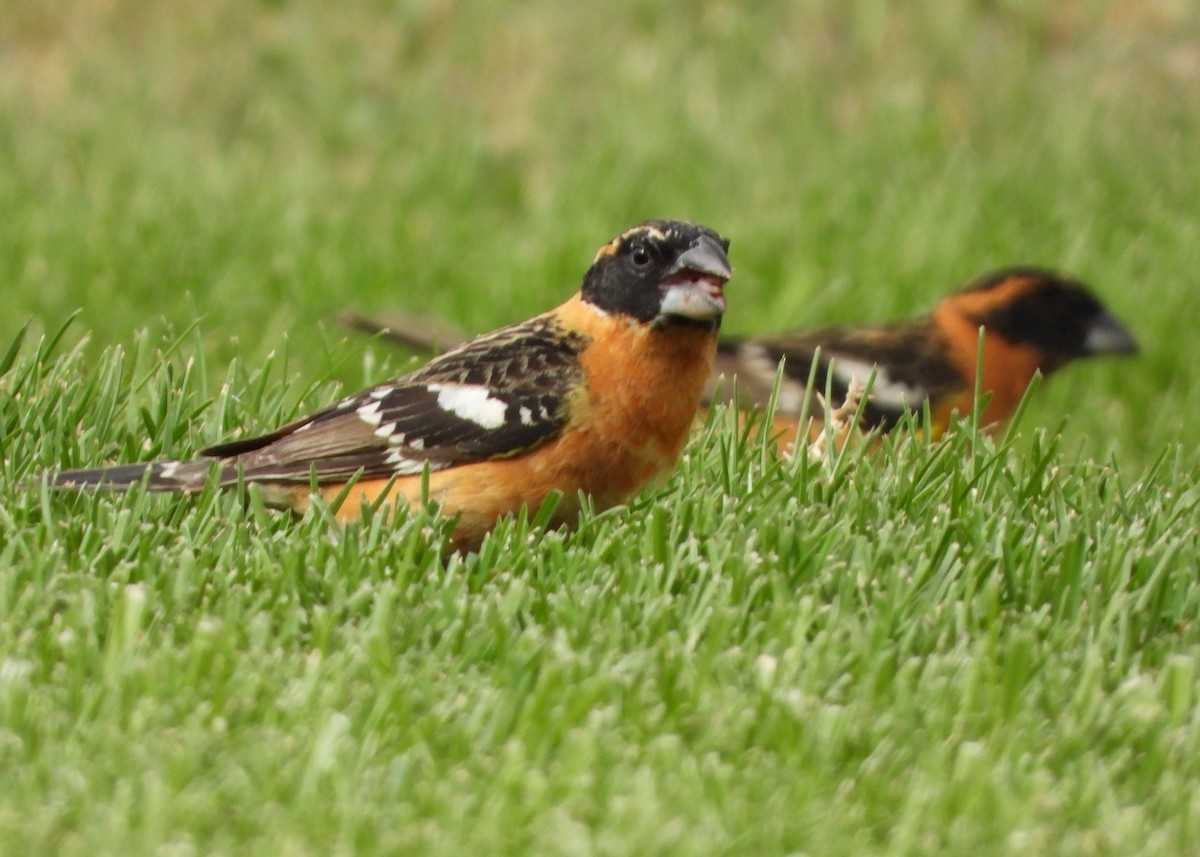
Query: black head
662	271
1055	314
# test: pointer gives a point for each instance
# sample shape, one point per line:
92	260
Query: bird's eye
640	256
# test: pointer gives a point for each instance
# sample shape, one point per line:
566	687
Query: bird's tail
156	476
416	332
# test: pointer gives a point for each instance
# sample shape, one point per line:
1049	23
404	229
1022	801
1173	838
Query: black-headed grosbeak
1033	319
595	397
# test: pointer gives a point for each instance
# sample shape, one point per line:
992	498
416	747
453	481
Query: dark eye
640	256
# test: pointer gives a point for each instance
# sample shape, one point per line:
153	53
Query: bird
1034	320
595	397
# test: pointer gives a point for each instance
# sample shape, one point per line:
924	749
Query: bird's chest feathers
644	385
1007	368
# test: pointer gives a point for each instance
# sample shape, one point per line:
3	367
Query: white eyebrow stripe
648	231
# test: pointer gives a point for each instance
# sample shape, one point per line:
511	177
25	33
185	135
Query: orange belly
627	426
481	493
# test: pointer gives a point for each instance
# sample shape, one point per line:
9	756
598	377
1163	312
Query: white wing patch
884	392
759	362
763	367
369	413
470	402
405	466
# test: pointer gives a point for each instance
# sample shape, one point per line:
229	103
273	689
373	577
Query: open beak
1106	335
694	288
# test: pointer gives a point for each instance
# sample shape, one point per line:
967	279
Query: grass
984	647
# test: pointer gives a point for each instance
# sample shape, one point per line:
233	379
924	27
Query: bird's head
1051	313
663	272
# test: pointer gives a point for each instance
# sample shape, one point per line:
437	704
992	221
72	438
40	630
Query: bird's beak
694	287
1106	335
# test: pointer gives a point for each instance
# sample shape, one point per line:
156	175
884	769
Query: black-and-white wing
494	397
910	368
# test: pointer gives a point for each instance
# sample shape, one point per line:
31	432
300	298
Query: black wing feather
909	354
527	370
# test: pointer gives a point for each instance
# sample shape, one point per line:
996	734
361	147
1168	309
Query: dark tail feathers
159	476
416	332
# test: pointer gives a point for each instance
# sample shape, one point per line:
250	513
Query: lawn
981	646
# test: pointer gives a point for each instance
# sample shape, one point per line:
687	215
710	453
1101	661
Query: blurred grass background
263	166
946	649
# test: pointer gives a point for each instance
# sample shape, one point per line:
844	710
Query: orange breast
1007	368
628	425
